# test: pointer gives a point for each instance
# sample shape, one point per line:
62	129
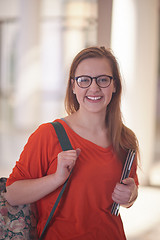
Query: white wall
9	8
135	43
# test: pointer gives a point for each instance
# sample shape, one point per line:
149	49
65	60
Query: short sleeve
37	156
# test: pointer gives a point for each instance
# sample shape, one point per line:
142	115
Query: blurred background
38	40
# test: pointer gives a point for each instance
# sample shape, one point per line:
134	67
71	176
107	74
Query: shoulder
43	134
45	129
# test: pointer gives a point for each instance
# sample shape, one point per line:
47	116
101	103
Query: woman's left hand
126	193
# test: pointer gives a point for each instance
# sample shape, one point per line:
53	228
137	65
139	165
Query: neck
92	121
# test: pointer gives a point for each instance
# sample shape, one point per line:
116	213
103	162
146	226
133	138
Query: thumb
128	181
78	150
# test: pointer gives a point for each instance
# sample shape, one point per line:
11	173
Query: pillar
28	78
104	22
135	43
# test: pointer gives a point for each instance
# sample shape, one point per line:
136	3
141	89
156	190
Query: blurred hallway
38	39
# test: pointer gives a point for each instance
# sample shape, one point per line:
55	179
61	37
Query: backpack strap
62	136
65	145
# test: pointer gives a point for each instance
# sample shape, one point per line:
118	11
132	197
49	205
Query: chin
96	110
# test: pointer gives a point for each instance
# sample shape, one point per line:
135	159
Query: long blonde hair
122	137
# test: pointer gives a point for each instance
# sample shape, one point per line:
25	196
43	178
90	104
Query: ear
114	87
73	85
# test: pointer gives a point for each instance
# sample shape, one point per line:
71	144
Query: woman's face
94	98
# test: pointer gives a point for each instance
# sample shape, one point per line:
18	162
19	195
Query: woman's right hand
19	191
65	163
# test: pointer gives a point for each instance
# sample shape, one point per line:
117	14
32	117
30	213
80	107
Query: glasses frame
110	77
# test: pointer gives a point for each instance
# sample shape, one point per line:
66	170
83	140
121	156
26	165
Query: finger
68	157
78	151
121	195
70	165
128	181
121	199
120	187
73	154
68	154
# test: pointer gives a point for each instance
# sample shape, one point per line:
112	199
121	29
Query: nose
94	85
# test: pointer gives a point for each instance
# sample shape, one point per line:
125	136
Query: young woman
100	141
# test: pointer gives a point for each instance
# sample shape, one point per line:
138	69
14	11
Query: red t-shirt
84	210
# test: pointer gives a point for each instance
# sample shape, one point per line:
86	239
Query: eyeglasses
84	81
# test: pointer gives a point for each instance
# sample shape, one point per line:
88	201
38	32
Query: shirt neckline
67	127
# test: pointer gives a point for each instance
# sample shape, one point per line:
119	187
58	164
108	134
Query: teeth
94	98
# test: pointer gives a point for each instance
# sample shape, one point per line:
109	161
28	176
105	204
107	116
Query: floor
142	220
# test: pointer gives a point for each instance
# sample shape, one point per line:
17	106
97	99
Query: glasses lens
103	81
83	81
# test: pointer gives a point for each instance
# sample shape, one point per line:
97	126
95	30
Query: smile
94	98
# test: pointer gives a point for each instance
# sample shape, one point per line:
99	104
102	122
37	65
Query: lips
94	98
